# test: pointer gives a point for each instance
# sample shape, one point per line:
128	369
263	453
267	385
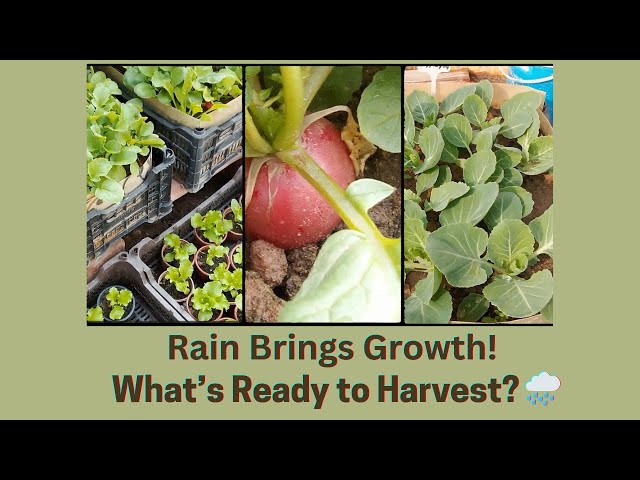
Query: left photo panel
164	194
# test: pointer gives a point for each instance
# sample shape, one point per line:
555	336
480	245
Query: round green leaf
431	144
510	245
475	110
479	167
144	90
520	298
472	308
457	130
506	206
472	207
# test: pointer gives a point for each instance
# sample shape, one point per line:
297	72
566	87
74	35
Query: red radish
296	214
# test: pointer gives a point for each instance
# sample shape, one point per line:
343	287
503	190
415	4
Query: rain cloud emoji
542	386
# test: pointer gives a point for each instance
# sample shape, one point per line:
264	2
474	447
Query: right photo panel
478	194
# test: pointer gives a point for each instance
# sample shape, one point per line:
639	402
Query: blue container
538	77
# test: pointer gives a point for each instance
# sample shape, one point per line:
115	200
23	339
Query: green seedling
481	239
95	315
179	276
118	301
237	255
178	250
208	299
215	251
196	91
236	208
117	134
212	225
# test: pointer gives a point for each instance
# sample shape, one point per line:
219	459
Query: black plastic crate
147	251
200	153
132	274
149	202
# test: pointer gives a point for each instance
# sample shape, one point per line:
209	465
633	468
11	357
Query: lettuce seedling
215	251
208	299
178	250
230	281
236	208
117	134
238	301
279	109
118	301
212	225
95	314
196	90
179	276
237	255
481	239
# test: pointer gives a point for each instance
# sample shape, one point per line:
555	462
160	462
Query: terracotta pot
201	272
194	313
164	250
232	235
203	242
236	312
130	308
232	264
191	287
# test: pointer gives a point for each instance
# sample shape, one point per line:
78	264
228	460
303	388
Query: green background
53	366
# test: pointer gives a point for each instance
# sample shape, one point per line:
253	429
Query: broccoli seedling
118	301
237	255
208	299
178	250
215	251
95	315
212	225
179	276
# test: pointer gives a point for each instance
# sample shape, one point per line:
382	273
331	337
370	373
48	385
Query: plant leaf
444	175
484	90
475	110
110	191
337	88
409	126
483	140
547	311
124	297
506	206
95	315
510	245
520	298
116	313
413	210
454	100
426	180
380	112
449	152
428	304
423	107
496	176
144	90
517	124
542	229
472	207
431	144
525	197
479	167
457	130
512	178
455	250
352	280
472	308
532	133
540	156
521	101
441	196
368	192
415	238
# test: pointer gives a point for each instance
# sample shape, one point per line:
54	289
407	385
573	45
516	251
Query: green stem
252	135
351	213
294	109
496	268
313	83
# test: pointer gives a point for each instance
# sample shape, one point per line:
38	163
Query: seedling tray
149	202
127	272
147	251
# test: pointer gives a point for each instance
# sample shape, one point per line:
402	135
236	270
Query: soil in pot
266	300
175	263
217	315
172	290
106	307
236	231
201	263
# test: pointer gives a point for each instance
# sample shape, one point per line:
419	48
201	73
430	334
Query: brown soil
202	262
285	282
269	261
171	290
106	309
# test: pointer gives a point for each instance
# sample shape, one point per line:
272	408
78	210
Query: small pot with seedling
210	228
209	257
177	281
116	304
236	257
231	281
175	250
208	303
235	214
